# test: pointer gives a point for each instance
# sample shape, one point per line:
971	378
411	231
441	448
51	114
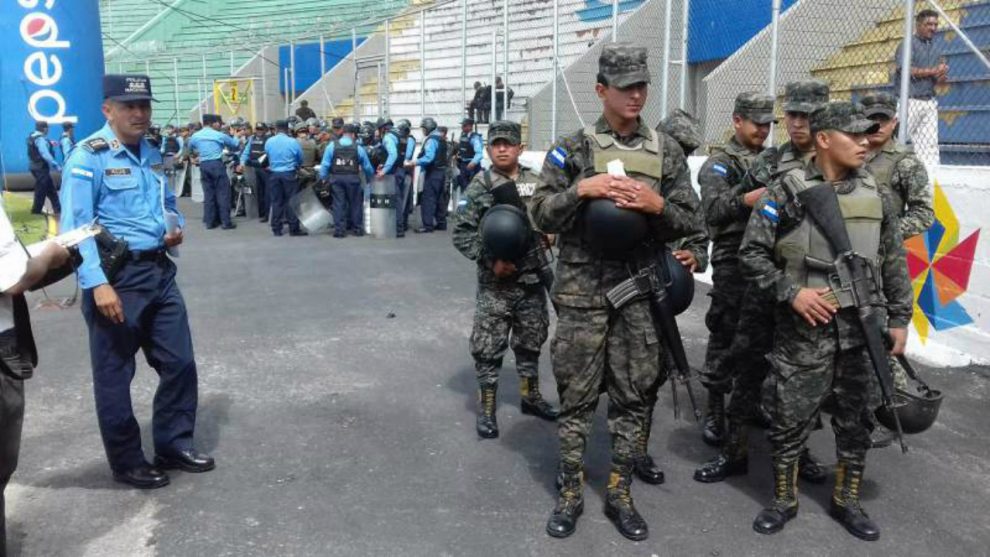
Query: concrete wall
644	28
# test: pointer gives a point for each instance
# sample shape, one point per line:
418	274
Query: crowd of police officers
809	269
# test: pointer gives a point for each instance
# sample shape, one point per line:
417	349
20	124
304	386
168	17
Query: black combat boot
810	470
714	430
784	506
845	506
731	460
532	401
487	425
644	466
619	506
570	503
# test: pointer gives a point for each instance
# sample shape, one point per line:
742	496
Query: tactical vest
644	162
882	168
34	155
862	209
171	145
403	147
737	226
257	149
345	159
465	150
308	147
787	160
440	160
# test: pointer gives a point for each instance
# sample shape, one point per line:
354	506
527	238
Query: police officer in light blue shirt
115	177
433	163
398	151
41	154
285	156
470	149
209	142
68	140
343	160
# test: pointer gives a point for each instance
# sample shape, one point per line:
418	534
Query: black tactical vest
465	151
34	155
257	149
345	159
171	145
440	161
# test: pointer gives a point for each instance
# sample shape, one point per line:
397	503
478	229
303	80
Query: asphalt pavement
338	396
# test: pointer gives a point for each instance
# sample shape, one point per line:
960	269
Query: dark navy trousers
433	210
348	204
44	187
281	187
401	202
216	193
155	321
261	191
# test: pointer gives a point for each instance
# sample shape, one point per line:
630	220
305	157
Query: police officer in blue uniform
41	154
405	205
433	163
396	149
115	177
343	160
172	143
209	143
68	140
253	156
470	149
284	157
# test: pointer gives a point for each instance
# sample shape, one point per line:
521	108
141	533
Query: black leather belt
923	98
149	255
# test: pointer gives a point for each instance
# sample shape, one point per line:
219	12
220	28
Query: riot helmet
611	230
505	233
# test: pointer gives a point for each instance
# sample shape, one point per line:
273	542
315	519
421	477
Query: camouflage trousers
505	315
746	364
600	350
808	366
722	321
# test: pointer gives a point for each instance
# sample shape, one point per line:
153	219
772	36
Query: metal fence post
772	83
665	71
354	59
264	84
323	61
685	21
199	91
905	85
464	15
422	64
505	56
175	85
615	20
492	118
285	74
292	69
556	50
386	107
231	63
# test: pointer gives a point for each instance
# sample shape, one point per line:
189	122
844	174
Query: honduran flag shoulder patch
558	157
720	169
769	210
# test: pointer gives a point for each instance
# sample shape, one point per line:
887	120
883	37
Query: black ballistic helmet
428	124
678	283
505	233
917	410
611	230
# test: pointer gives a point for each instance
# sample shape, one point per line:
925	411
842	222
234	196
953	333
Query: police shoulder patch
769	210
96	145
82	173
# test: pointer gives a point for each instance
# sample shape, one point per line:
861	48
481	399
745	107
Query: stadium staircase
867	65
187	31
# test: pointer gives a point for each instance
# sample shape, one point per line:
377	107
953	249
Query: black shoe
263	219
187	460
856	521
563	519
142	477
714	429
719	468
211	227
648	471
276	232
299	233
773	519
441	228
487	424
626	518
539	408
423	230
881	438
229	226
810	470
400	234
339	235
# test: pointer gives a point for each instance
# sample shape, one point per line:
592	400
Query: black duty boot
532	401
810	470
487	425
784	506
619	506
714	430
731	460
845	506
646	469
570	503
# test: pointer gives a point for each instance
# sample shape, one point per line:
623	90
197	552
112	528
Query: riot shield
382	206
313	216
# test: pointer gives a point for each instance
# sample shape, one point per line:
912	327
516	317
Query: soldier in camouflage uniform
511	299
904	181
754	341
819	350
597	348
726	209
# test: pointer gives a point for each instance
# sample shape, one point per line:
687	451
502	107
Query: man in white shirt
18	272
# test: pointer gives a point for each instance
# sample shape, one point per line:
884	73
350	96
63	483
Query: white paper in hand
171	225
616	168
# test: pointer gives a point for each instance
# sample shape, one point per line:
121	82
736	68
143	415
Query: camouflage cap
503	129
684	128
879	103
805	96
622	65
754	106
842	116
